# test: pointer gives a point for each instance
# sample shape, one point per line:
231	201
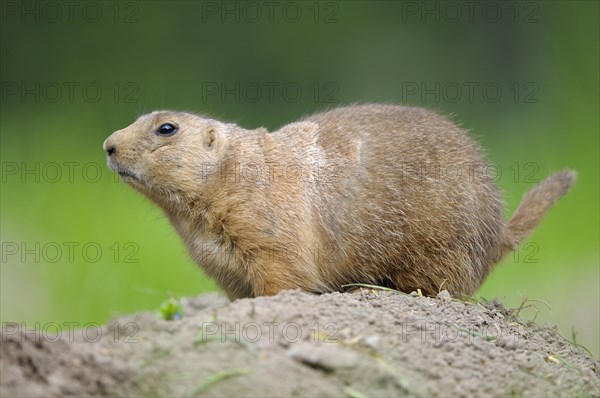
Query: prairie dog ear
300	128
213	139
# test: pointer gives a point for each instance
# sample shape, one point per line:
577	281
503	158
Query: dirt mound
367	343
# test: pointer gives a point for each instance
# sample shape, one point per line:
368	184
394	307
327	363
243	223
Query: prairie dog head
164	154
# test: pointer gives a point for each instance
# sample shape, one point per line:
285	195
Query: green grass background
368	52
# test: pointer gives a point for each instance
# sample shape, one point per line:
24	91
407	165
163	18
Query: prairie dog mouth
124	172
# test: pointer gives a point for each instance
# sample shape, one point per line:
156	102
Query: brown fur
379	194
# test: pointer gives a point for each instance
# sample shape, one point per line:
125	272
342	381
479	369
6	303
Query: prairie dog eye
166	129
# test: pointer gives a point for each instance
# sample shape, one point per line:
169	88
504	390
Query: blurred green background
79	246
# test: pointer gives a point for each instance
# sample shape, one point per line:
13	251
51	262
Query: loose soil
365	343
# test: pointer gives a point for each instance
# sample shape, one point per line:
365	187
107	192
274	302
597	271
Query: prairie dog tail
533	208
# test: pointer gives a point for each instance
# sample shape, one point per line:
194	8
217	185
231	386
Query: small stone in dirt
327	357
372	341
444	295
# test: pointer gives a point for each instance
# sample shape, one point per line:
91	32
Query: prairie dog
388	195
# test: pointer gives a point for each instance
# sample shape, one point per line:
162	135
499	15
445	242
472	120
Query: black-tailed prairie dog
388	195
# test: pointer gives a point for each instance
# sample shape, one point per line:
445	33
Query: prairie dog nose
109	147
